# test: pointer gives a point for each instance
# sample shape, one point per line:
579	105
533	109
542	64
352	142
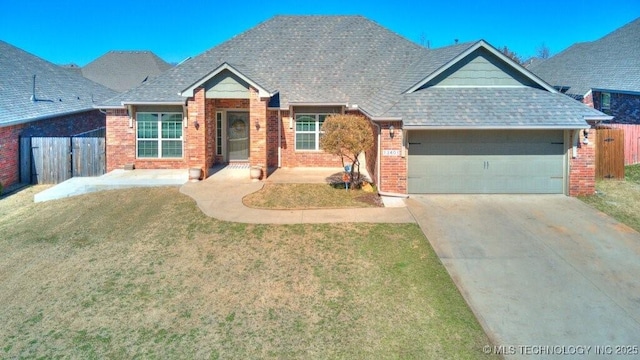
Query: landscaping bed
311	196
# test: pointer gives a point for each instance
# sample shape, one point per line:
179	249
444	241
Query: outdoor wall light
196	124
586	136
392	131
257	124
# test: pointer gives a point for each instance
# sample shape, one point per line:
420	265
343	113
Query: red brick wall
393	169
582	169
121	145
293	158
59	126
588	99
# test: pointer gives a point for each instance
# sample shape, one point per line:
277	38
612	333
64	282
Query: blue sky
75	31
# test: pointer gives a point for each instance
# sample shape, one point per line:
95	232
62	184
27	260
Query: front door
238	135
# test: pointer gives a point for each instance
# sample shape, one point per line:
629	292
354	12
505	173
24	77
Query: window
605	101
159	135
218	133
308	131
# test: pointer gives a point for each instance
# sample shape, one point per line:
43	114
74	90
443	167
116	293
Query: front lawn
619	199
142	273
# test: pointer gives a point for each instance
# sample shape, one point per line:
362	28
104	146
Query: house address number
390	152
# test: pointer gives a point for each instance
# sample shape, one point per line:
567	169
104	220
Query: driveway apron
545	275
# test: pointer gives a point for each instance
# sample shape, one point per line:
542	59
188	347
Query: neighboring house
460	119
124	70
38	98
604	74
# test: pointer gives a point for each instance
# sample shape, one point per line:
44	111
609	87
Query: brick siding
625	108
305	158
582	169
58	126
393	169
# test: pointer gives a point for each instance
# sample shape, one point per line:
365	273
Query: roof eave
44	117
167	103
598	118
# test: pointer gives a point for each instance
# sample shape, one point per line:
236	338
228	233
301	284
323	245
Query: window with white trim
159	135
309	131
605	101
218	133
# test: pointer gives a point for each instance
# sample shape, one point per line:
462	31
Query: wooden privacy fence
631	142
52	160
610	153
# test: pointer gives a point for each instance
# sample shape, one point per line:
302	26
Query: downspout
279	138
574	143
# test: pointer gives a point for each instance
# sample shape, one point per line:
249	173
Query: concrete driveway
543	274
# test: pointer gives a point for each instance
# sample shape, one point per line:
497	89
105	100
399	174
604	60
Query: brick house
39	98
603	74
459	119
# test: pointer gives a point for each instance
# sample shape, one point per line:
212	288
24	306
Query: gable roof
123	70
238	71
341	60
611	62
58	91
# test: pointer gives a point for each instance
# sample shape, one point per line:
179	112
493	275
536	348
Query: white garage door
486	161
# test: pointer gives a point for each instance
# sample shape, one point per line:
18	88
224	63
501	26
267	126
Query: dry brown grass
143	273
310	196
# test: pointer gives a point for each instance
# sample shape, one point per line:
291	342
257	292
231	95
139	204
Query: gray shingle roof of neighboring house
333	60
58	91
123	70
612	63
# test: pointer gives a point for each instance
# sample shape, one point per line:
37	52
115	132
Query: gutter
558	127
279	139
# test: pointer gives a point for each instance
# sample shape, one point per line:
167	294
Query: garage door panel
505	162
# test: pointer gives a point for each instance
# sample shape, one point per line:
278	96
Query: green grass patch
619	199
632	173
310	196
142	273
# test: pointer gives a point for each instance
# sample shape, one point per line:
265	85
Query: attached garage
486	161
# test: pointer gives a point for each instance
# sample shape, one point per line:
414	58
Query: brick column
257	135
120	139
393	168
195	136
582	169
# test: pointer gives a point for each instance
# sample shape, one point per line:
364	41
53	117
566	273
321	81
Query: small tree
511	54
347	136
543	51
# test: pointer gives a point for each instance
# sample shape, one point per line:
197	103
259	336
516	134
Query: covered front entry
237	135
486	161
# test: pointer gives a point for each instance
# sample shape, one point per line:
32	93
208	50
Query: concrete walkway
116	179
542	273
220	196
